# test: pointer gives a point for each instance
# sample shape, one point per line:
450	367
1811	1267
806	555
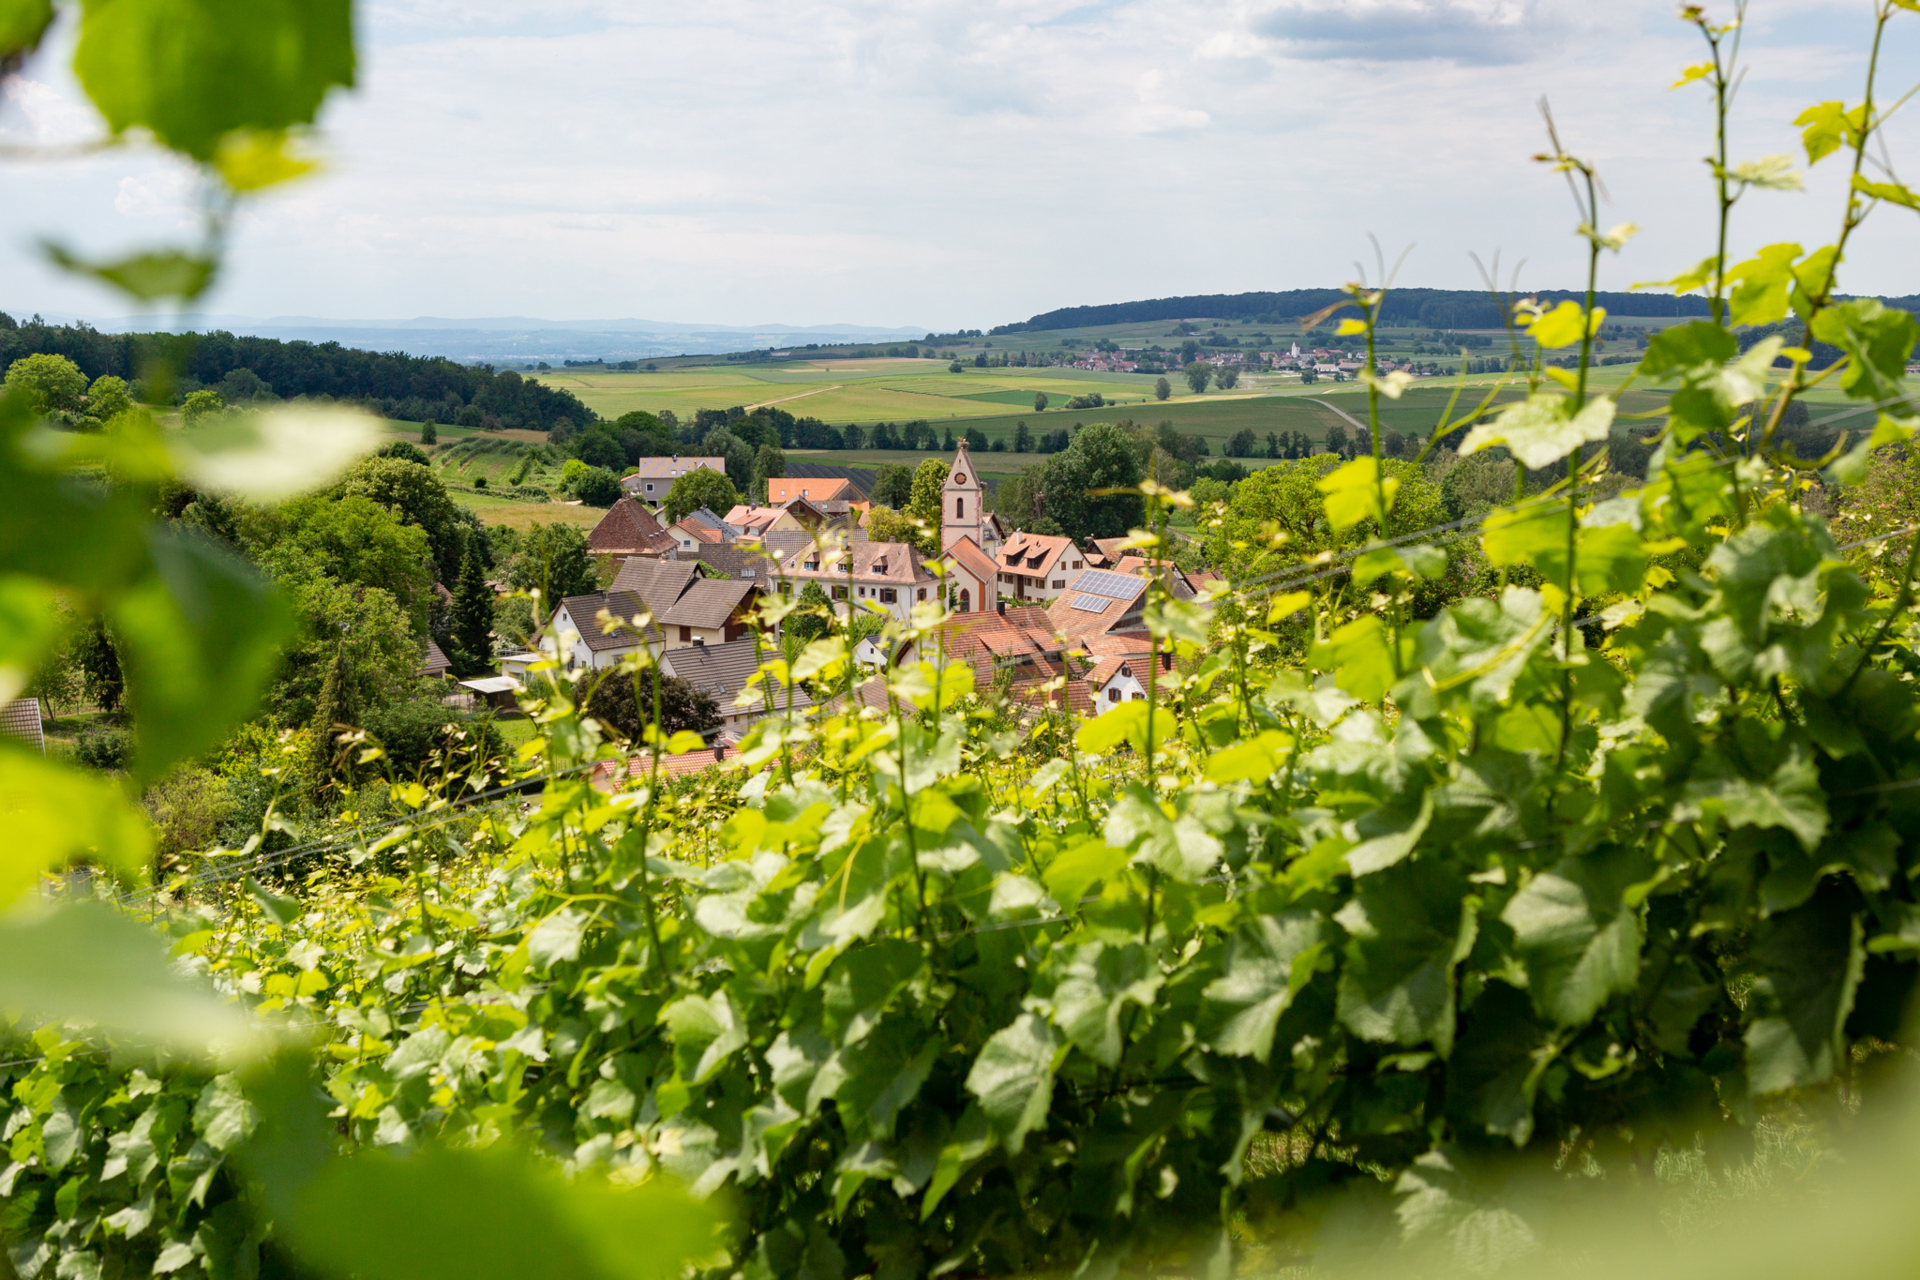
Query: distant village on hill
1045	619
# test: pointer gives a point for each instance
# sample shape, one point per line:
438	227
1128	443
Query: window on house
1113	695
649	488
839	593
1059	583
686	634
887	595
923	593
1139	697
966	601
959	508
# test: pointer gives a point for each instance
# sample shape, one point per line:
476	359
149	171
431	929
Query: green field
843	390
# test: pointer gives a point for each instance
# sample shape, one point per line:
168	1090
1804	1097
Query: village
1045	621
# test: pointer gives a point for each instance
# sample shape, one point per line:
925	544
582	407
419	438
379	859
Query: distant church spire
960	501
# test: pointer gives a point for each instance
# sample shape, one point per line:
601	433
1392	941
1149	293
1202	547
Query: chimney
719	752
1001	607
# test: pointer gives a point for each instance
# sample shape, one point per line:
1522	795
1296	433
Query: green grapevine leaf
192	71
1763	281
490	1214
268	457
148	277
1542	429
199	638
1353	492
1013	1078
1099	981
1409	926
22	23
1268	962
1496	1067
1810	960
1577	934
90	964
54	814
1879	340
1361	657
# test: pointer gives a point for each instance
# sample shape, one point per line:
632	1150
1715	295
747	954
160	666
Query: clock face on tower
958	478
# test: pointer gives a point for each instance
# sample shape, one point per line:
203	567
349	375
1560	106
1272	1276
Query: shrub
104	747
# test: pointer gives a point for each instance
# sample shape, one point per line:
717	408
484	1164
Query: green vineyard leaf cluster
1362	904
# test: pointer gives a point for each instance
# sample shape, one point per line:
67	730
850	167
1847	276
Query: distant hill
1418	308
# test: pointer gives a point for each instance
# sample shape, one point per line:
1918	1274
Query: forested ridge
412	388
1416	308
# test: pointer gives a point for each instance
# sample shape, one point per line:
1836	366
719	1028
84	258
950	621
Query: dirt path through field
802	396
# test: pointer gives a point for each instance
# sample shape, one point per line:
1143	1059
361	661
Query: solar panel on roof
1114	586
1091	604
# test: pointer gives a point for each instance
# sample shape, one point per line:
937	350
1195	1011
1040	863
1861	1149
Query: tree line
411	388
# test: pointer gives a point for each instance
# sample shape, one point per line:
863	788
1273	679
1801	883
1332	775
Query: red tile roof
627	529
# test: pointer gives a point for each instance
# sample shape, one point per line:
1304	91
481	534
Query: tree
597	447
814	616
1101	456
472	634
51	384
199	405
556	560
429	434
768	464
1039	402
1287	494
1022	438
108	398
1308	377
1016	501
643	435
335	711
351	539
406	451
1162	388
884	524
1336	439
1198	374
929	483
700	487
956	367
417	496
1243	444
683	705
99	659
598	487
893	485
976	440
1227	378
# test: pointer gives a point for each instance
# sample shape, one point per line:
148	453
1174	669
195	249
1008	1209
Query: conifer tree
335	707
472	635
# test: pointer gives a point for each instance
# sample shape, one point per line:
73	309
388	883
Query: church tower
960	502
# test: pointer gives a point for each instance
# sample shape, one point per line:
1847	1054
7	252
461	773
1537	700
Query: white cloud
161	194
946	162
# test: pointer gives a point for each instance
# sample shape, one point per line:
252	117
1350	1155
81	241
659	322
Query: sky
964	163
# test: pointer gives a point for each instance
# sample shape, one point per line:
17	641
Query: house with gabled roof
653	477
784	489
725	671
1099	601
629	529
1036	568
889	574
